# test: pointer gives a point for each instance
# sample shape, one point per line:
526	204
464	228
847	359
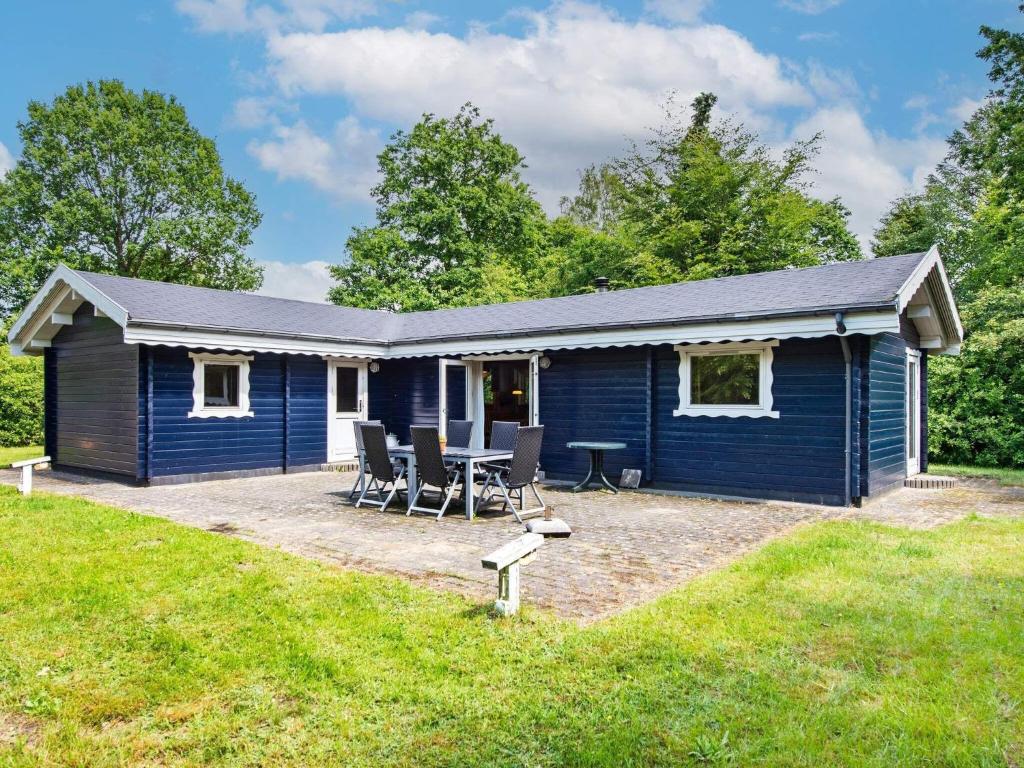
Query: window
220	386
347	389
726	380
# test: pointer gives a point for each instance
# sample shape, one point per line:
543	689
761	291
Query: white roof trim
932	261
812	326
62	293
247	342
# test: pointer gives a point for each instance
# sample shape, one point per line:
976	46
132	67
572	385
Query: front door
913	412
346	403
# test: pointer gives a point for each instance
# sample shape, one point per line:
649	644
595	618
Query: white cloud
867	169
679	11
965	108
817	37
421	20
568	91
810	7
343	165
246	16
6	160
308	281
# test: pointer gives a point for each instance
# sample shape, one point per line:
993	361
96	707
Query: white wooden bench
506	561
26	466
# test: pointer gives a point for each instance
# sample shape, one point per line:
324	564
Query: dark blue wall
598	394
403	393
884	443
799	456
306	382
183	446
603	395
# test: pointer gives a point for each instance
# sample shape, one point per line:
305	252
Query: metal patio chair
381	469
431	470
459	433
513	480
360	483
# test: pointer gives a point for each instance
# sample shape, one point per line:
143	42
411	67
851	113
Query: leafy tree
907	227
702	200
977	399
456	224
21	397
599	200
114	181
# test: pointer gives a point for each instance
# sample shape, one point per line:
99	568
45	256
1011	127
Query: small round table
596	464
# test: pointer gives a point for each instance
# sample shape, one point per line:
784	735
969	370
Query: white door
913	412
346	403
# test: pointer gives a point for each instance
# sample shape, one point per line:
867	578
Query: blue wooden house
800	384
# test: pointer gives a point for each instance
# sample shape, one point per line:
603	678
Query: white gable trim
929	279
63	292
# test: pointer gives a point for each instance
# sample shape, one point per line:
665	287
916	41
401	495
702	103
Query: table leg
585	483
600	473
469	492
410	478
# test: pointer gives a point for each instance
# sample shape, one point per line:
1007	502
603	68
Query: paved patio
625	549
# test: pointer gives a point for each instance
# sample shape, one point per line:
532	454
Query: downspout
848	454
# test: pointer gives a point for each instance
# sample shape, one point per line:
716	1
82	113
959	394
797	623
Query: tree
114	181
977	399
702	200
456	224
907	227
21	397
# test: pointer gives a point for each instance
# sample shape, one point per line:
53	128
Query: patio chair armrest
491	467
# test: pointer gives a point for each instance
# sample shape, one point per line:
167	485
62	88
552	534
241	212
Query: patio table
596	464
468	457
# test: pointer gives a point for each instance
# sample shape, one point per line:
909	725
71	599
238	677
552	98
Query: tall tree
114	181
456	223
703	199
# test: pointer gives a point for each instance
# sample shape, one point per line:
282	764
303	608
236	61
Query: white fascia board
242	342
812	326
62	284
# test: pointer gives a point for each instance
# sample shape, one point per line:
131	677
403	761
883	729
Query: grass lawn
128	639
1005	476
7	455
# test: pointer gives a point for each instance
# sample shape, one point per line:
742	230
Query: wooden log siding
595	394
800	456
184	446
307	412
50	403
94	412
404	392
885	443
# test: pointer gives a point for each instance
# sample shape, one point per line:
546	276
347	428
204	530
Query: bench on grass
26	466
506	561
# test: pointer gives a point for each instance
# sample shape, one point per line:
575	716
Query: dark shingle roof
861	284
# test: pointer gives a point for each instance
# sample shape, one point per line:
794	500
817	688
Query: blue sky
301	94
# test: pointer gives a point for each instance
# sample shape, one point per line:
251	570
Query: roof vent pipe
601	284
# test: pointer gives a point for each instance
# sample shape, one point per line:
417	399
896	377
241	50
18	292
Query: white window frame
201	411
764	406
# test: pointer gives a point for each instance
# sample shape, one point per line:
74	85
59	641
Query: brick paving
625	549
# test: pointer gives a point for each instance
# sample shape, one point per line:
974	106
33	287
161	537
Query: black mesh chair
503	435
503	438
512	480
459	433
431	470
382	471
360	483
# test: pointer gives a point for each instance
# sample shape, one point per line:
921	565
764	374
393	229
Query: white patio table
468	457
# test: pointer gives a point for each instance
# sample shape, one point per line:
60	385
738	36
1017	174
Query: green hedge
976	400
21	399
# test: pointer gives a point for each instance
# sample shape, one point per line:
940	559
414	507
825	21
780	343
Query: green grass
128	639
7	455
1005	475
